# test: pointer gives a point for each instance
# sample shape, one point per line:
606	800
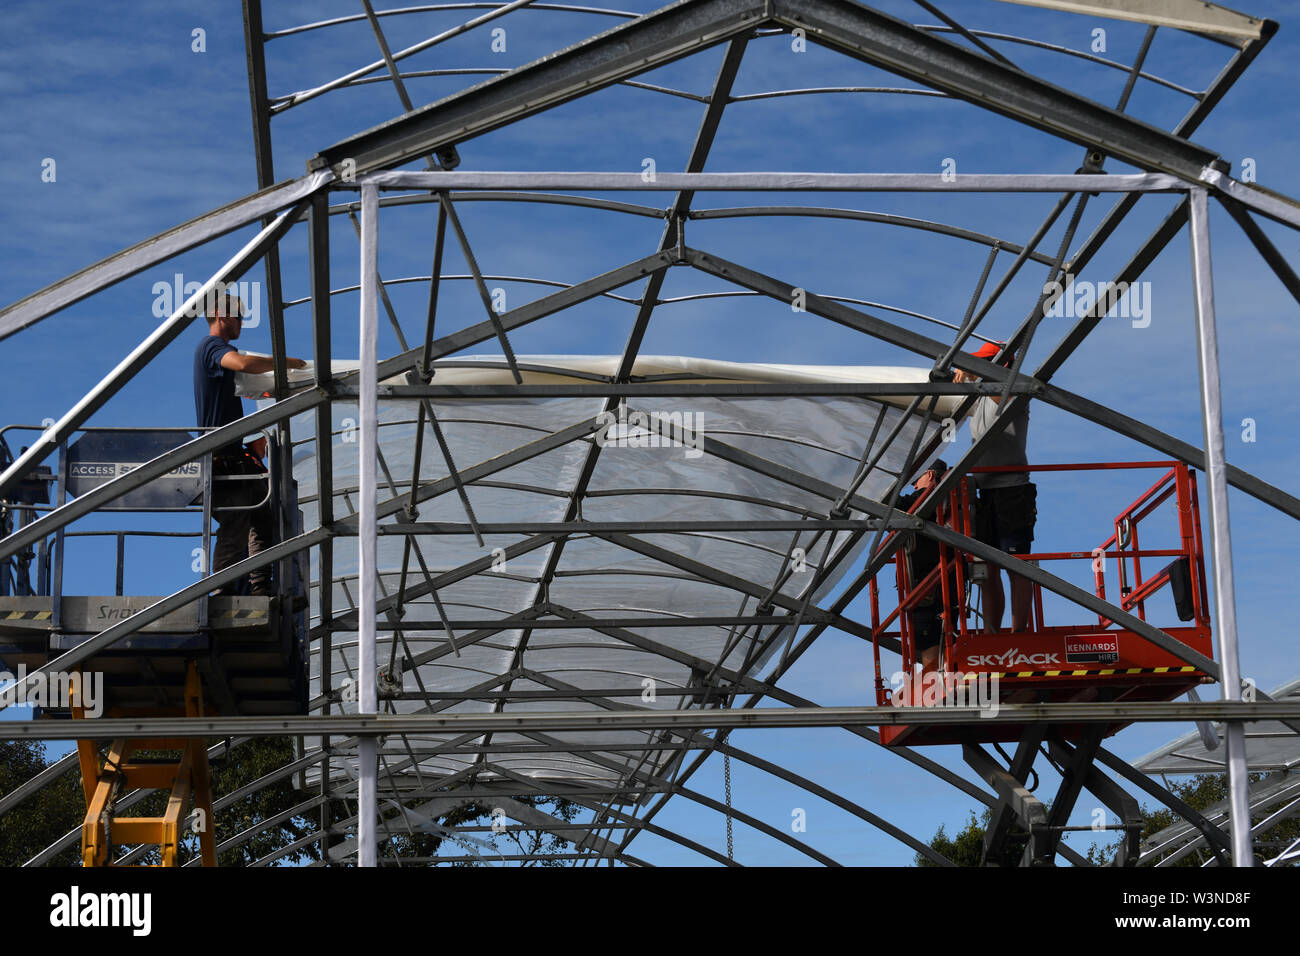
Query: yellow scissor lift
245	660
218	655
186	778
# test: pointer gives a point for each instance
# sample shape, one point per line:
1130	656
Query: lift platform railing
18	511
1179	482
251	649
228	655
954	578
189	488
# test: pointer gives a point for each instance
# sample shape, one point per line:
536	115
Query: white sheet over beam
697	370
1195	15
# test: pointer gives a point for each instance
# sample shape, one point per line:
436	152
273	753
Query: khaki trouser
245	532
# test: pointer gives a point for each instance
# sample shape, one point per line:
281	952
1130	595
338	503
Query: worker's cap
990	350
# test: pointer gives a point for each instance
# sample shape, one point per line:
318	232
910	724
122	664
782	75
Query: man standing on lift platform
1006	510
247	531
928	617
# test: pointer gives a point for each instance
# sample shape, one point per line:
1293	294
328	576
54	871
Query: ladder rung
157	776
132	830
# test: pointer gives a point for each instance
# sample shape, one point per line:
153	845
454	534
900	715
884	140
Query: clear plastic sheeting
635	475
1270	746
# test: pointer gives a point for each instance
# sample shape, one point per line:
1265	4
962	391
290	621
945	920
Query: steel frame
1172	164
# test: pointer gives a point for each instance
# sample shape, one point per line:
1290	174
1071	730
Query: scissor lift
218	655
1052	663
1064	662
185	777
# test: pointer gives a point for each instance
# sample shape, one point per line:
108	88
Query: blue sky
147	133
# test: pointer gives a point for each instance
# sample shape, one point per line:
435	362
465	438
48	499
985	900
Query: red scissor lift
1062	662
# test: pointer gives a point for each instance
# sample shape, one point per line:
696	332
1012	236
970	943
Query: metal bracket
680	250
447	156
389	680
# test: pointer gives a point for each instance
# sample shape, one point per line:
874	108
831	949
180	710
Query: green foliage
536	841
1200	793
421	844
967	848
251	761
45	816
59	807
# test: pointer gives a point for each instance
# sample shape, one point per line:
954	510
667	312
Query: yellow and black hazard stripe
26	616
1104	672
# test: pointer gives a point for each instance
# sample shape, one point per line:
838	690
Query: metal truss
399	770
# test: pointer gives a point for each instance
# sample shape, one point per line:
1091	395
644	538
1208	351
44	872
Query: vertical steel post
1207	348
368	702
205	541
56	603
319	256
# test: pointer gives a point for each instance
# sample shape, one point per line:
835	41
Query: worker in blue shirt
247	531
